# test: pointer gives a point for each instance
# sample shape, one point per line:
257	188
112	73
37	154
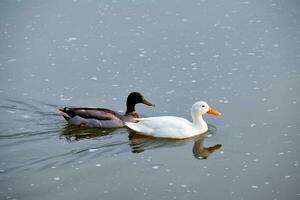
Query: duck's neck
199	122
130	107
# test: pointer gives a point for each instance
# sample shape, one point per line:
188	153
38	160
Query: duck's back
93	117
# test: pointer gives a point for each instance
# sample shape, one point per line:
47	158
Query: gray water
242	57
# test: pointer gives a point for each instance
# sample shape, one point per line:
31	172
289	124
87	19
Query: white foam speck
98	165
11	112
70	39
56	178
93	150
276	45
184	20
171	183
286	177
267	183
183	186
252	125
12	60
155	167
254	186
94	78
26	116
171	91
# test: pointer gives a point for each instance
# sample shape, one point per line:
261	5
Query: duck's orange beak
213	112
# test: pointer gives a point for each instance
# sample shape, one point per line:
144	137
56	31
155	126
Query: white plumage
174	127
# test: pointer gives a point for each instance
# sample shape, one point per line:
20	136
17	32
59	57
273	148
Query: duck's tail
66	113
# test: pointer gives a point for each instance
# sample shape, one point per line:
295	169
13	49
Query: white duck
175	127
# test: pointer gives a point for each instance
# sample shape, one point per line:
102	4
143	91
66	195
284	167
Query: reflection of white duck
175	127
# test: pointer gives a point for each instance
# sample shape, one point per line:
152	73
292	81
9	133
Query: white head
200	108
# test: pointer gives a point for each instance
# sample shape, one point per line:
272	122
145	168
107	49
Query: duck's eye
203	106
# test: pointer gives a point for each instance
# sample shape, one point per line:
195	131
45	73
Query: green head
135	98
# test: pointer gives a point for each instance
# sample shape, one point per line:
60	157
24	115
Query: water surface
242	57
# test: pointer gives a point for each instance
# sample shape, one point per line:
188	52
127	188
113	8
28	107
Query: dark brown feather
95	113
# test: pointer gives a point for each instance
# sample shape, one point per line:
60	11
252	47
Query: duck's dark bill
147	102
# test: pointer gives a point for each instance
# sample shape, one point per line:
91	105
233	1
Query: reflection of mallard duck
174	127
72	133
104	118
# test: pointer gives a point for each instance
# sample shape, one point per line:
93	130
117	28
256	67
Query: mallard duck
174	127
102	117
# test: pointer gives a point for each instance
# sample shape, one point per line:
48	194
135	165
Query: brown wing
95	113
